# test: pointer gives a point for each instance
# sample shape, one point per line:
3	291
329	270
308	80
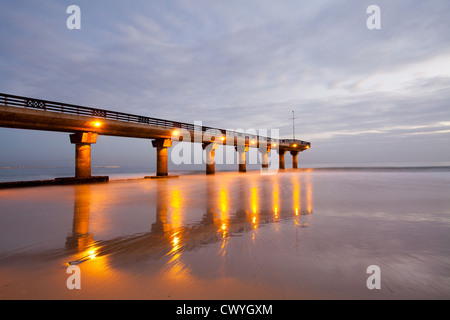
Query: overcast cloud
361	96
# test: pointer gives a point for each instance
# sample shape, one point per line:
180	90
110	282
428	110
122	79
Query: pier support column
265	157
242	158
161	146
281	153
294	159
210	149
83	141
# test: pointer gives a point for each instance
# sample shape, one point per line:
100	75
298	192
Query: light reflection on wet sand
295	235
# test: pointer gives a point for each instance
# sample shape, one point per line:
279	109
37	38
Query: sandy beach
307	234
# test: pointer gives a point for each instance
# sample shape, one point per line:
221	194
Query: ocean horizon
31	173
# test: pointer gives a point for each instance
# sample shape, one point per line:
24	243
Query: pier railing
59	107
52	106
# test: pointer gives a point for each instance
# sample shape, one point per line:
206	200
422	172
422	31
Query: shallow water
307	234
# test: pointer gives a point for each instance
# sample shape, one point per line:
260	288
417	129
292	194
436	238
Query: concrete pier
85	123
210	150
242	157
265	157
83	141
294	159
161	146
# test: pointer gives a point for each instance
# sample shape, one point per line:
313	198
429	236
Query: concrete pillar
281	153
294	159
161	146
210	149
265	157
242	158
83	141
161	161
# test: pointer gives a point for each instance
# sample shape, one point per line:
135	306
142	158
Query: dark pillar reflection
80	238
162	201
211	191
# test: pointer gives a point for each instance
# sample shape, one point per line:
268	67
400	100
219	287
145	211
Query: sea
312	233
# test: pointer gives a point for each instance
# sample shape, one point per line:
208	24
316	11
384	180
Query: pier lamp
222	138
294	145
253	141
274	144
97	124
307	147
175	132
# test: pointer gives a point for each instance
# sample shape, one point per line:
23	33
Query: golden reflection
176	240
92	254
223	222
254	205
276	199
175	219
230	209
223	204
81	240
175	209
223	201
254	200
175	243
169	221
296	196
169	215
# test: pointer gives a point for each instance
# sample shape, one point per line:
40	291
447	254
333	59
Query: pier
84	124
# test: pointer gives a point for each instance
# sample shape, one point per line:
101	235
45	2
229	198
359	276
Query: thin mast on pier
293	125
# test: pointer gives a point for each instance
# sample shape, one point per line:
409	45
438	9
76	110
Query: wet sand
308	234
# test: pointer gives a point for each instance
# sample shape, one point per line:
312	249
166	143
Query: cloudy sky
368	97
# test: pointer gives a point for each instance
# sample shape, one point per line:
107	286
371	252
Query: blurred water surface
306	234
